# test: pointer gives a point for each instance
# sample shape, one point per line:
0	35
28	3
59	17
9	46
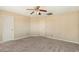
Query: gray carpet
38	44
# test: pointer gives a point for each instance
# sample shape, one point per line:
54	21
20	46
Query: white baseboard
16	38
4	41
34	35
41	35
62	39
21	37
1	41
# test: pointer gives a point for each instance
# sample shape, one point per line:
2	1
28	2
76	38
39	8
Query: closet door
8	28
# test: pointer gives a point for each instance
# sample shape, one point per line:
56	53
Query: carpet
38	44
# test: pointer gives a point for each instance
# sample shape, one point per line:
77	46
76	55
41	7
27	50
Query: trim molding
61	39
41	35
22	37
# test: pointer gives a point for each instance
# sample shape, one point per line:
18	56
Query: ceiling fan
37	10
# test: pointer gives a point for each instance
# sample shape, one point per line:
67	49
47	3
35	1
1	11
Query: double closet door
8	28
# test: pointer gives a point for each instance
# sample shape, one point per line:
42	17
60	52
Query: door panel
8	28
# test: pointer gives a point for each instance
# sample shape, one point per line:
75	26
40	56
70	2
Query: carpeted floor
38	44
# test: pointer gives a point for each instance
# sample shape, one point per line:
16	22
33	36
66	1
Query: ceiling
54	9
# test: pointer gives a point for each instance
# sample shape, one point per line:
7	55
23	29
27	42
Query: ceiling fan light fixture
39	13
37	10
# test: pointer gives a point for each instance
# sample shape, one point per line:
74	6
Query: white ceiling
54	9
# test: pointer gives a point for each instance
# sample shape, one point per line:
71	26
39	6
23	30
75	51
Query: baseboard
34	35
4	41
1	41
40	35
15	38
61	39
22	37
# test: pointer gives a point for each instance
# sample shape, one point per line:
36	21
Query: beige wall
0	28
21	24
34	25
63	27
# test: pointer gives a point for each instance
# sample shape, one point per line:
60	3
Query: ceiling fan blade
50	13
29	9
32	12
43	10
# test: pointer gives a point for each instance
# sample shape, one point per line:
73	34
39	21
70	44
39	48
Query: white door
8	28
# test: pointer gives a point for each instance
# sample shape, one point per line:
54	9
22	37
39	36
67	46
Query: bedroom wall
0	28
34	26
62	27
37	25
21	24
